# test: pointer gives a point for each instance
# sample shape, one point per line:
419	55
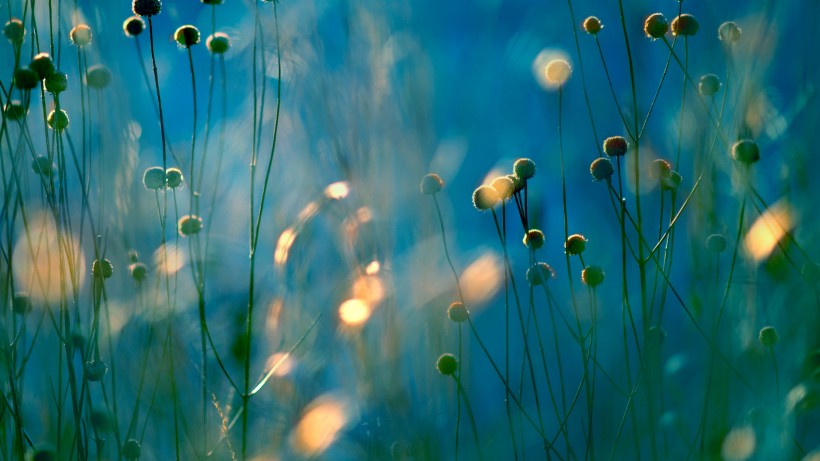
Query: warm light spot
364	214
354	312
308	211
337	190
373	268
551	68
320	425
492	174
280	364
169	259
274	314
482	278
283	245
739	444
795	397
40	258
767	231
368	288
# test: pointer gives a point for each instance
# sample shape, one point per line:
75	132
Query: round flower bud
98	76
44	454
575	244
189	225
57	82
685	24
14	31
95	370
133	26
173	177
746	151
672	181
768	336
716	243
601	169
154	178
16	110
25	78
524	168
457	312
102	269
615	146
80	35
218	43
484	198
534	239
447	364
431	183
729	32
592	25
21	303
558	72
518	183
187	36
146	7
44	167
539	274
504	186
656	335
810	272
709	84
592	276
58	120
42	64
138	271
655	26
660	169
131	449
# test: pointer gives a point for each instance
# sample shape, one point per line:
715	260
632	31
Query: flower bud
98	76
14	31
173	177
218	43
592	25
146	7
575	244
80	35
447	364
601	169
592	276
57	82
187	36
685	25
768	336
729	32
58	120
534	239
484	198
189	225
457	312
154	178
655	26
746	151
540	274
431	184
42	64
25	78
709	84
524	168
133	26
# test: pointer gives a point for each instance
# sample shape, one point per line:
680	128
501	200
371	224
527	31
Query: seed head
173	177
431	184
592	276
16	110
484	198
189	225
504	186
671	181
729	32
660	169
518	183
768	336
457	312
25	78
102	269
58	120
746	151
558	72
709	84
44	167
615	146
685	25
133	26
80	35
98	76
716	243
154	178
187	36
146	7
575	244
138	271
42	64
57	82
95	370
534	239
447	364
131	449
21	303
218	43
524	168
656	335
601	169
14	31
592	25
539	274
655	26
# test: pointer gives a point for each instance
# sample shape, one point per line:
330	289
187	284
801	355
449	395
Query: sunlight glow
283	245
739	444
320	425
482	278
280	363
368	288
768	230
557	75
337	190
354	312
175	261
373	268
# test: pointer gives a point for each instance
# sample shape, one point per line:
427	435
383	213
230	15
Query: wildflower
58	120
447	364
601	169
655	26
592	25
457	312
746	151
131	449
539	274
671	181
484	198
768	336
187	36
575	244
98	76
44	167
534	239
218	43
25	78
133	26
14	31
709	84
173	177
102	269
146	7
685	25
16	110
431	184
80	35
524	168
656	335
518	183
95	370
57	82
592	276
729	32
42	64
189	225
505	187
716	243
660	169
154	178
615	146
138	271
558	72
